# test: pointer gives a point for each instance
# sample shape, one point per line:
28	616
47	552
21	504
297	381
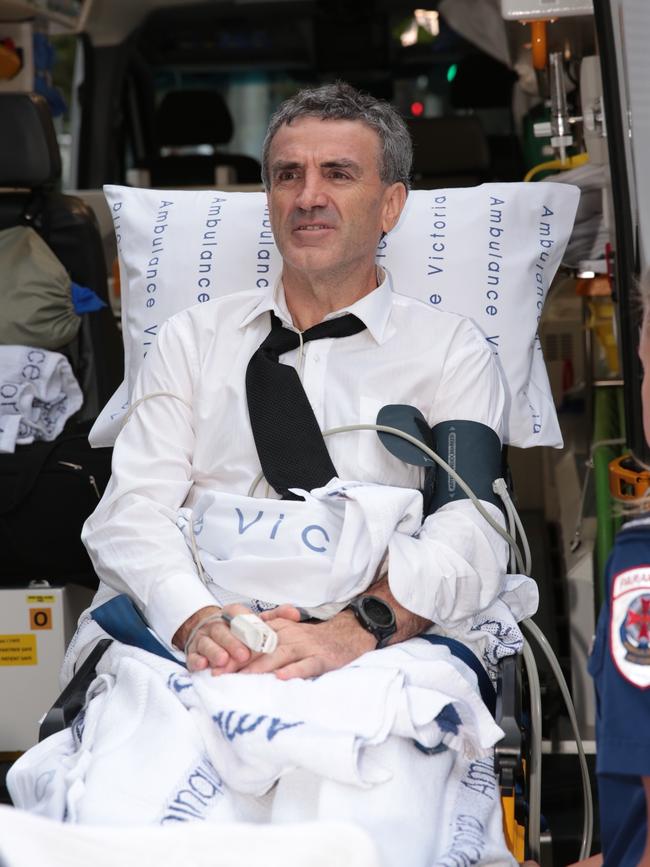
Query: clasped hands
304	649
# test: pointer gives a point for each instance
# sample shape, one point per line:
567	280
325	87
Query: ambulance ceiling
109	22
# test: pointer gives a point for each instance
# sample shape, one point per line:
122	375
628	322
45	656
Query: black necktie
289	442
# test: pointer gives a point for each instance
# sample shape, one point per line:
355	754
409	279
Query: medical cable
196	555
248	628
396	432
301	356
499	487
440	461
542	642
525	568
142	399
531	627
509	509
511	530
535	757
211	618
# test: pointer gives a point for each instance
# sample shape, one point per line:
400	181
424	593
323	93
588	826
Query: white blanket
317	553
156	745
38	393
27	841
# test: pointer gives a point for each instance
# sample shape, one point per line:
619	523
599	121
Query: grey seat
187	118
449	152
30	172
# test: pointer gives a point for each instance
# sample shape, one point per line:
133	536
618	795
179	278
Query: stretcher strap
121	620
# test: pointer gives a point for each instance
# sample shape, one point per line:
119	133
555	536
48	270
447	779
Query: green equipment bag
35	295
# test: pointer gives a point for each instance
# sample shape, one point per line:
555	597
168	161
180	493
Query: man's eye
287	175
338	175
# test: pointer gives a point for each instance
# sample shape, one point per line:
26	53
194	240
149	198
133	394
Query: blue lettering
276	525
242	527
307	530
276	726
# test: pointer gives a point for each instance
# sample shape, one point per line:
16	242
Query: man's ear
394	201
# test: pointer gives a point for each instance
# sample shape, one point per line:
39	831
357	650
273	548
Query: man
335	185
335	165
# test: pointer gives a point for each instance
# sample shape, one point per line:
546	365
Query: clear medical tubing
535	758
587	829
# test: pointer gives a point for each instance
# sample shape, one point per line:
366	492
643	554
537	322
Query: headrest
487	252
29	151
193	117
448	145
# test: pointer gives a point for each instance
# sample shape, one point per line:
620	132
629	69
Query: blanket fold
317	553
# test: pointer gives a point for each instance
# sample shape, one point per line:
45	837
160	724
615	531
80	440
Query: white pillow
488	252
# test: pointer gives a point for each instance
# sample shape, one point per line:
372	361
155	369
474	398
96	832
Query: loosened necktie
289	441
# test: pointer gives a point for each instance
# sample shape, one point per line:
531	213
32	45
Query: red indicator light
417	109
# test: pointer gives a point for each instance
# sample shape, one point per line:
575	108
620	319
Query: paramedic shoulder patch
630	625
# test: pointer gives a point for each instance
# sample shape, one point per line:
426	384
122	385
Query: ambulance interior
178	95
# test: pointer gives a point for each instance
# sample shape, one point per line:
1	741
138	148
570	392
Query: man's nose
312	194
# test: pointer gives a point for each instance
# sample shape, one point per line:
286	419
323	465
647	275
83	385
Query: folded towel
38	394
318	553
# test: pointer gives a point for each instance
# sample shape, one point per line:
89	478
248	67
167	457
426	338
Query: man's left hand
310	649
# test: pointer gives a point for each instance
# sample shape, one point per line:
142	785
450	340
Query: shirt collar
373	309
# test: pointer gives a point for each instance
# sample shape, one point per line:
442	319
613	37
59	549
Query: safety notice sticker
40	618
18	650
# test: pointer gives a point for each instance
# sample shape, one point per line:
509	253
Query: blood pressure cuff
474	451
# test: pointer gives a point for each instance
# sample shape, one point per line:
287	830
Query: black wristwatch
376	616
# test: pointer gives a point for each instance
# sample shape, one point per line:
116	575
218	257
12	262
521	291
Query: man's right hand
214	646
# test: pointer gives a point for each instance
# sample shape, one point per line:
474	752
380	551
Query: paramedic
620	666
336	169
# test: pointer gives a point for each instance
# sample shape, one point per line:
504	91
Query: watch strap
381	632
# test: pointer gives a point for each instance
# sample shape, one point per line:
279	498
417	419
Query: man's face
327	204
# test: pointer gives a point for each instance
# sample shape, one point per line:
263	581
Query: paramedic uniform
620	666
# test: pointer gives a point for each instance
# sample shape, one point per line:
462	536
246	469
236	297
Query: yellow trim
10	756
513	831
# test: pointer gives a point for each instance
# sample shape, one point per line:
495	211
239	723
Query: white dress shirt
197	436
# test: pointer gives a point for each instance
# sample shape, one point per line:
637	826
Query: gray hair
340	101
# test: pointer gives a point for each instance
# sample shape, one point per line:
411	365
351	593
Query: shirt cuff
174	600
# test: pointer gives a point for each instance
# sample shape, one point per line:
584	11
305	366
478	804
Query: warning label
41	599
40	618
18	650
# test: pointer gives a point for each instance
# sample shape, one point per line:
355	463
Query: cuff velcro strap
474	451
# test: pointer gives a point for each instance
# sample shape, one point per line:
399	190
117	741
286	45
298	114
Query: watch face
378	611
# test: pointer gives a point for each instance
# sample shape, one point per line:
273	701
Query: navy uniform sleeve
620	661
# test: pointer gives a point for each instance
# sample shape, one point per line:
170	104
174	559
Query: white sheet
27	841
317	553
157	745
